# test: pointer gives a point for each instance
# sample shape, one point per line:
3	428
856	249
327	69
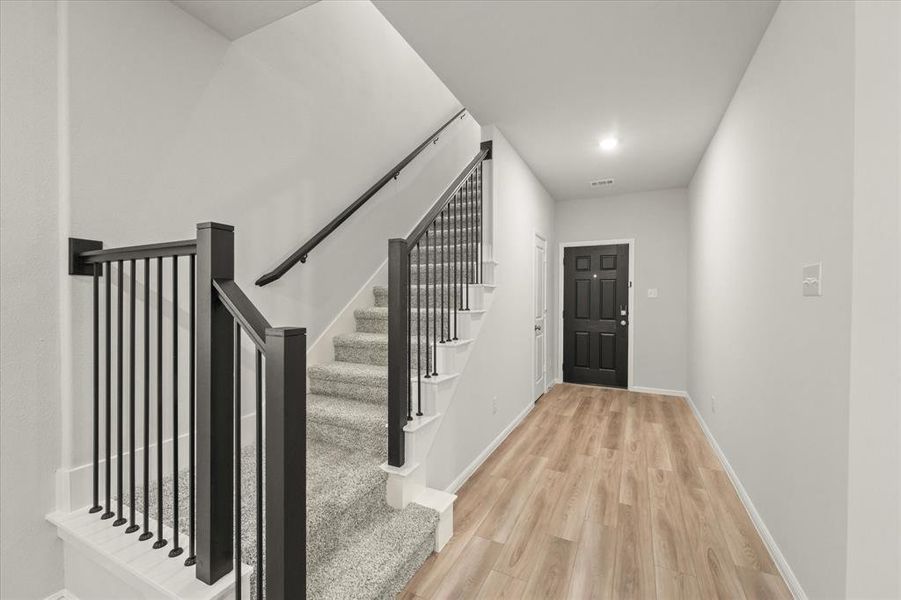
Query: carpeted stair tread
348	413
379	559
343	487
367	383
367	348
350	373
361	339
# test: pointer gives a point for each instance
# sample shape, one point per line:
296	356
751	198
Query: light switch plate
652	292
812	280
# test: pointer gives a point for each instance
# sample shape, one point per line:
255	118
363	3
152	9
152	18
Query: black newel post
215	372
398	344
286	470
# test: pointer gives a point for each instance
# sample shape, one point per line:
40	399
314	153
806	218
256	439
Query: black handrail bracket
77	265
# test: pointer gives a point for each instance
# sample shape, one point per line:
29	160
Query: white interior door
539	302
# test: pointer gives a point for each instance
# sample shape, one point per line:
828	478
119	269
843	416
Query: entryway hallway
601	493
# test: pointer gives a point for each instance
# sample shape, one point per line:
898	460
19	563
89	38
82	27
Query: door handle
537	327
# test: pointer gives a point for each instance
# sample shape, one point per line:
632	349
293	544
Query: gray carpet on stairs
358	547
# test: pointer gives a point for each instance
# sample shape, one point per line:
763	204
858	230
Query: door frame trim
559	318
547	374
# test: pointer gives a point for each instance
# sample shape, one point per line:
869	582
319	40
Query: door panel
595	315
539	304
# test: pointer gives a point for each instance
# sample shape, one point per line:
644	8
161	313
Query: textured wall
30	555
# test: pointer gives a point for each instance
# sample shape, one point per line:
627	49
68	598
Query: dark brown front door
596	315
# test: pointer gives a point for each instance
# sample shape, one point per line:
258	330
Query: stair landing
110	559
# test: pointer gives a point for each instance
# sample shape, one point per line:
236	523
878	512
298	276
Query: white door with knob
539	312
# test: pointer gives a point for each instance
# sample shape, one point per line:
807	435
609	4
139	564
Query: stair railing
429	277
300	255
218	313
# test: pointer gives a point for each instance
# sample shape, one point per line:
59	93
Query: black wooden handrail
165	249
445	198
300	255
243	310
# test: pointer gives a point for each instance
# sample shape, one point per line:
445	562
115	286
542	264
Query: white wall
658	222
274	133
31	560
874	475
772	193
499	370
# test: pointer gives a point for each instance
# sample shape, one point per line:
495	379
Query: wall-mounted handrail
300	255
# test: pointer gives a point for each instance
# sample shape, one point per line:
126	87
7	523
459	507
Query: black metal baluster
418	332
427	267
481	230
454	267
160	539
259	451
466	236
176	549
146	534
95	476
434	309
443	287
475	225
477	221
119	400
237	442
109	514
131	401
409	335
471	239
192	298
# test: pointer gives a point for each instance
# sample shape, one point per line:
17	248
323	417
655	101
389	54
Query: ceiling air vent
602	182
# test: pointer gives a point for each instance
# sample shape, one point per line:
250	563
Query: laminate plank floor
601	494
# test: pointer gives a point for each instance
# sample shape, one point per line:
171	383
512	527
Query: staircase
362	542
229	519
359	547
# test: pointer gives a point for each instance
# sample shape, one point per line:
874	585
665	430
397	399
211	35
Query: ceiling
556	77
235	18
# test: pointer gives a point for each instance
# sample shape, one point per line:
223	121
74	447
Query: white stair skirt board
407	482
781	563
106	562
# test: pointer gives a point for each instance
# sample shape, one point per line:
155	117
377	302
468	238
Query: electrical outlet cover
812	280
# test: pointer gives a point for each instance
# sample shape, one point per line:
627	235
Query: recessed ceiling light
609	143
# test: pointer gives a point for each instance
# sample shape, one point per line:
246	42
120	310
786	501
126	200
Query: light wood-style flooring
601	493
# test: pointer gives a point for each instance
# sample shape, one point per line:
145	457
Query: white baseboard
658	391
781	563
457	483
